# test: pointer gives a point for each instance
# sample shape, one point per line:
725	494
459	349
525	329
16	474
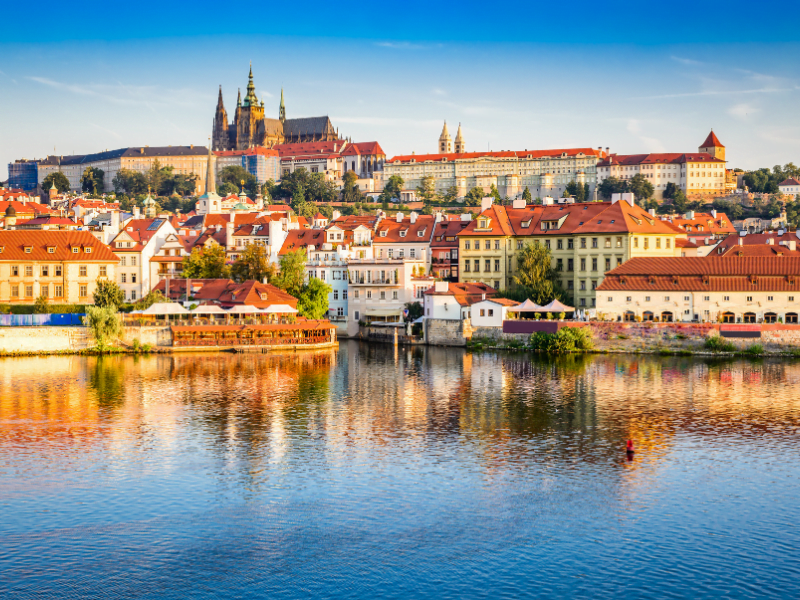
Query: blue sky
631	77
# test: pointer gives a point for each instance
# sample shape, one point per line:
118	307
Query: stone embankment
45	340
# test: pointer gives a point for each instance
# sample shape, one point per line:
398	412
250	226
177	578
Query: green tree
414	311
642	189
392	189
234	175
536	278
450	195
226	189
427	189
670	190
679	201
92	180
326	210
156	175
104	324
495	194
610	186
59	179
474	197
152	297
579	191
320	190
40	307
292	274
108	294
526	195
253	263
129	182
206	263
312	302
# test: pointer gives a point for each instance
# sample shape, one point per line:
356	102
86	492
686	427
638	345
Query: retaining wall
43	339
447	332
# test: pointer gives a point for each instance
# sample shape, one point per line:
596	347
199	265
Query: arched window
666	316
728	317
630	316
647	316
770	317
791	318
353	165
749	317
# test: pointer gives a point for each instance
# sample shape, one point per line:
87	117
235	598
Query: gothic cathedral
251	128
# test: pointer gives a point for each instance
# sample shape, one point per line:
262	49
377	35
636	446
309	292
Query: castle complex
250	128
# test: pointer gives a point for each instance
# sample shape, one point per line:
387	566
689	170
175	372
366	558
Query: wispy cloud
743	110
686	61
439	92
386	121
108	131
715	93
651	144
406	45
149	96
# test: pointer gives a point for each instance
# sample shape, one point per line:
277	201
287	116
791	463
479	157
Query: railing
253	341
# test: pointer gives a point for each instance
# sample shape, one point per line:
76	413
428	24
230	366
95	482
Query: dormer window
28	249
383	233
75	249
263	296
483	223
51	249
526	224
403	233
87	250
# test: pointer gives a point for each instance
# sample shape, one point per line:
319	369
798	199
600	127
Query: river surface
375	472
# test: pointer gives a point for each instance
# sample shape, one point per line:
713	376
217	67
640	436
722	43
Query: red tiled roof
229	293
405	231
465	293
303	238
407	158
755	239
499	223
657	158
360	148
709	223
712	140
249	152
446	229
13	244
751	250
725	266
27	208
790	181
684	243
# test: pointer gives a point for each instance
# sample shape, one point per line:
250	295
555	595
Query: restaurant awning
208	309
243	309
557	307
527	306
279	309
383	312
165	308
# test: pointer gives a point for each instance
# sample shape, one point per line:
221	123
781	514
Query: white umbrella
527	306
244	309
208	309
557	307
279	309
165	308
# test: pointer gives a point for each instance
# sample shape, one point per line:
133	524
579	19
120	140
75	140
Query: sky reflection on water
400	473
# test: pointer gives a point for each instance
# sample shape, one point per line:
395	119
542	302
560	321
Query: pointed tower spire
460	145
282	110
445	141
219	99
239	98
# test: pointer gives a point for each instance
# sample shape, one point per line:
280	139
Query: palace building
250	128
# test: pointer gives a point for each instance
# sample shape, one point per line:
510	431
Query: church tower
713	146
460	146
445	141
282	110
220	139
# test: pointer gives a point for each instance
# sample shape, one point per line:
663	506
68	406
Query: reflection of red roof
712	140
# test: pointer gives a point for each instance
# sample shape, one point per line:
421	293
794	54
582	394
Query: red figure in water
630	449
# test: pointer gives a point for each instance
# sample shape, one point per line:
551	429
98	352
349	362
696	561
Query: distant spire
211	176
219	99
282	109
239	98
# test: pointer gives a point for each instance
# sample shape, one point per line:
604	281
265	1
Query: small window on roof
28	249
75	249
612	220
1	249
383	233
87	250
51	249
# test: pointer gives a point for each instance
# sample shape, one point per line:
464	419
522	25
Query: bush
716	344
104	324
53	309
549	316
568	339
41	305
754	350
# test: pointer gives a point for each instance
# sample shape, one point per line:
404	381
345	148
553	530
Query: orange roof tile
14	243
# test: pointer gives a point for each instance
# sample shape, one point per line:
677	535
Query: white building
789	187
490	312
453	301
403	237
137	243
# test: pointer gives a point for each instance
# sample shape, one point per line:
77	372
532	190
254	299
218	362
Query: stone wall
43	339
447	332
155	336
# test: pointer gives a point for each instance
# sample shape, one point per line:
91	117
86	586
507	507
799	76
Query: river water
370	471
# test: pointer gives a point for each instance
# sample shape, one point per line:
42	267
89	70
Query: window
14	271
619	242
87	250
45	271
412	253
487	265
356	295
726	298
133	261
496	266
103	271
44	291
635	242
570	244
477	266
123	261
466	245
75	249
383	295
594	242
124	278
58	291
356	315
646	243
58	271
570	285
369	294
706	298
628	299
583	242
559	264
770	298
466	266
497	244
560	244
594	284
15	291
28	271
647	298
491	312
344	294
666	298
394	294
594	264
29	291
608	264
488	244
483	313
791	298
583	264
133	294
51	249
583	302
686	298
749	298
570	264
583	286
335	294
608	242
667	243
82	271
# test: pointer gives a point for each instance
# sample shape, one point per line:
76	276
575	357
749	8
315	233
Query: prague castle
251	128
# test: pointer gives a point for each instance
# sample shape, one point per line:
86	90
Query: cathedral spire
239	98
219	99
460	145
282	109
251	99
445	141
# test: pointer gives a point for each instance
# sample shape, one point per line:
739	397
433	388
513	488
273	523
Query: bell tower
445	141
460	146
713	146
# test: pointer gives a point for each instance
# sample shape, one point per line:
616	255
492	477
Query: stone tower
713	146
460	146
220	139
249	116
282	110
445	141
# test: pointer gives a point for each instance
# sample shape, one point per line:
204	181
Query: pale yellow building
63	266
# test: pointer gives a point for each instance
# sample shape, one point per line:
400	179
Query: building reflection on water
251	412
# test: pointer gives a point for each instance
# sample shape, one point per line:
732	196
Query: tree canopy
233	175
292	274
427	189
392	189
536	278
59	179
108	293
580	192
253	263
641	187
474	197
206	263
312	301
92	180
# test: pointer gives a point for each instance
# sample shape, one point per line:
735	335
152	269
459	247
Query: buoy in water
630	449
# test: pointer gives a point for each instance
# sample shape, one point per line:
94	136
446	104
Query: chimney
413	217
652	212
713	214
486	203
218	227
792	245
770	241
547	200
466	216
628	197
399	217
136	212
615	198
518	203
229	234
336	215
741	241
690	215
115	221
441	286
438	218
